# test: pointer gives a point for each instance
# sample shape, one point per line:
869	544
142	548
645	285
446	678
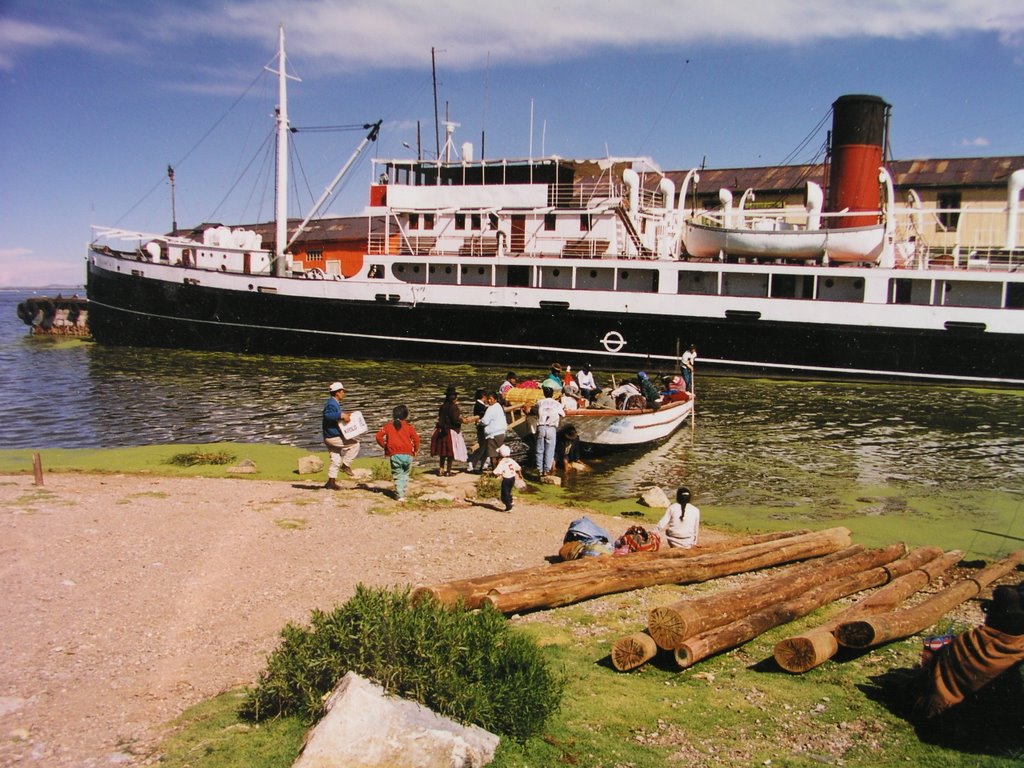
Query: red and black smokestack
858	138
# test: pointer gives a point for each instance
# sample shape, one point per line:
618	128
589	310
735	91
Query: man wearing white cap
343	450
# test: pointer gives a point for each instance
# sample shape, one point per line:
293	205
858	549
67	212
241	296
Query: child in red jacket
400	442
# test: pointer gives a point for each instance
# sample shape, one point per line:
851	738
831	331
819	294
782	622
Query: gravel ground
127	599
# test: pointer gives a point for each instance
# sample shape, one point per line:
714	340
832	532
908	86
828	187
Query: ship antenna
437	122
174	213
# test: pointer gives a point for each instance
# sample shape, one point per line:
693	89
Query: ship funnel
1015	185
858	137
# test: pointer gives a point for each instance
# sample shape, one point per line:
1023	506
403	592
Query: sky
100	96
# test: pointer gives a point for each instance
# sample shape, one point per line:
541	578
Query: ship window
841	289
973	293
414	221
460	221
314	255
744	284
903	290
702	283
376	272
586	222
549	222
475	222
948	204
518	276
638	280
1015	296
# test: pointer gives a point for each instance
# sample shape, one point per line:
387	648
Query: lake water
924	463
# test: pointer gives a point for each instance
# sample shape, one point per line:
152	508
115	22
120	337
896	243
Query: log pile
812	569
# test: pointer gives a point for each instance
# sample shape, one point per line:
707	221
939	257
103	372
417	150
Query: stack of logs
825	566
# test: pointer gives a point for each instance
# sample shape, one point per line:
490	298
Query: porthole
556	272
593	273
624	274
480	270
829	283
447	270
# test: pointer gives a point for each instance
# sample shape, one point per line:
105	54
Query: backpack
638	539
587	531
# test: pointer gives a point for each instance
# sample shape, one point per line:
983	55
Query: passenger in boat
686	366
585	380
400	442
553	379
675	391
343	449
680	525
648	390
511	382
549	414
447	442
567	447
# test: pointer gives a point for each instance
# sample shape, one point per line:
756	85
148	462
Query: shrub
470	666
200	457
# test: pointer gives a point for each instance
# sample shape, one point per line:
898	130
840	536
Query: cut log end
684	657
804	652
856	634
668	627
632	651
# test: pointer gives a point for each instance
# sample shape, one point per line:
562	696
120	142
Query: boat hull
618	429
854	244
127	310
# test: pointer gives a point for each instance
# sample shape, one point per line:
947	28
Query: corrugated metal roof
919	174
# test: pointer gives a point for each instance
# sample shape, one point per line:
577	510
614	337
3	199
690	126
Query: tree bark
881	628
738	632
670	625
472	591
631	651
635	573
807	650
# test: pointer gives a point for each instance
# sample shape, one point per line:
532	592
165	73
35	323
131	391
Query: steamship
606	261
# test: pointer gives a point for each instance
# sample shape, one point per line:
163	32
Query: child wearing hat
508	470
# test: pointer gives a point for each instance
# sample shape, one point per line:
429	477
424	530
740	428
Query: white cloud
979	141
388	34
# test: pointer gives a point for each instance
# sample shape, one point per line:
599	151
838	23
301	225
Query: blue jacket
332	415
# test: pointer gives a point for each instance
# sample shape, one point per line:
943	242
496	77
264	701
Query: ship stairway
631	230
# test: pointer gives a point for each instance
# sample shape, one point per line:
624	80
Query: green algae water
923	464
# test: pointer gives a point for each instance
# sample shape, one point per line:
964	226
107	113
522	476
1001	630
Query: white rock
366	728
654	497
310	465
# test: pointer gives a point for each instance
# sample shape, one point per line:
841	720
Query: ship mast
281	183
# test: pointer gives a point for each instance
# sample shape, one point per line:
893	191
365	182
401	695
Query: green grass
734	709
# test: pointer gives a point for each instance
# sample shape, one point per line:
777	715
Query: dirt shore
127	599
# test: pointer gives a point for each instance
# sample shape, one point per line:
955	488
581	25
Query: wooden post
633	650
807	650
881	628
37	468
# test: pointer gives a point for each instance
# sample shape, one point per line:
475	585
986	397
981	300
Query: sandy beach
127	599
